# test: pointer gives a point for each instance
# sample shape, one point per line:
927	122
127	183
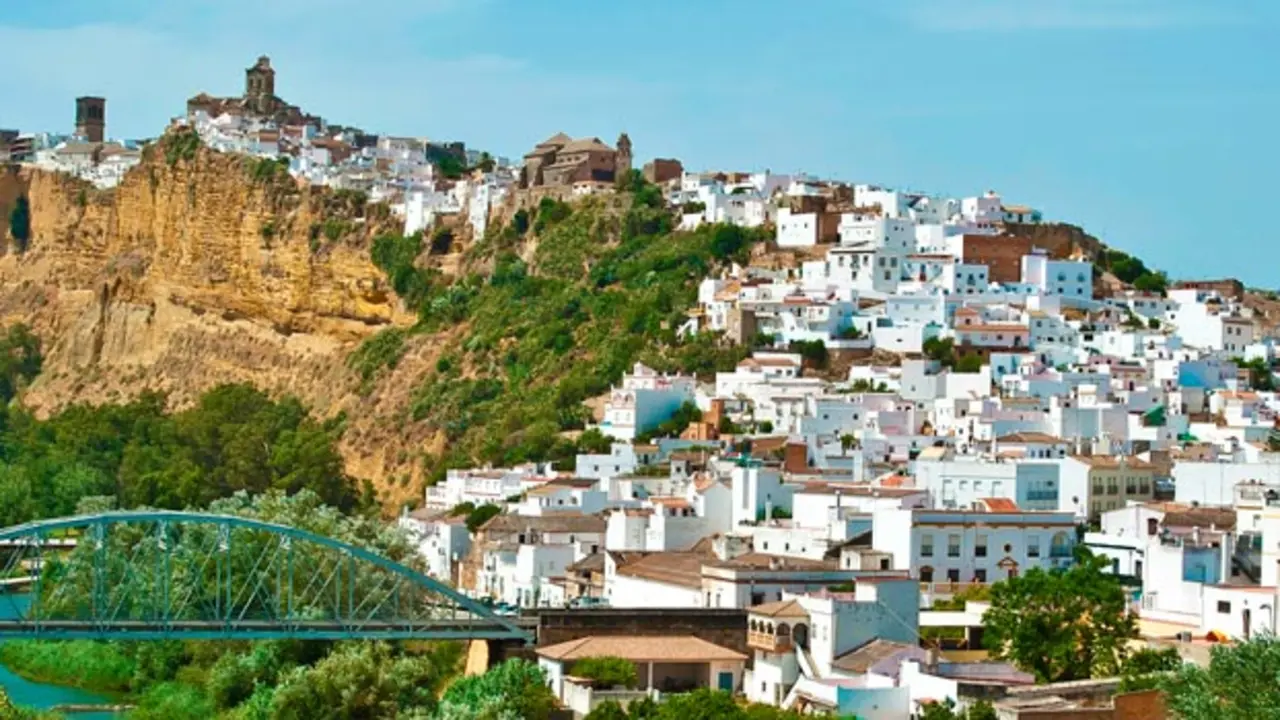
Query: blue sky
1152	123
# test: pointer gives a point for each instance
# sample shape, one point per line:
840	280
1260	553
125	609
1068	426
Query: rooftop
658	648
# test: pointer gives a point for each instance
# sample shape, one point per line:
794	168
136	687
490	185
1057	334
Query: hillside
203	268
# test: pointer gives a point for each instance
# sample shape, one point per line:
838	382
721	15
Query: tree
515	689
1061	625
20	223
814	352
941	350
981	710
594	442
20	360
1239	684
607	672
481	515
969	364
608	711
1142	670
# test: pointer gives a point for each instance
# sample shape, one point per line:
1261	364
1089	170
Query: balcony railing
1060	551
1034	495
945	587
768	642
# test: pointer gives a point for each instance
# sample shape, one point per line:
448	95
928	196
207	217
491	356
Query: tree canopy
1242	682
515	689
1061	625
234	439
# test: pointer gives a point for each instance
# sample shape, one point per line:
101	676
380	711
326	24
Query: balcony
769	641
1060	551
1040	495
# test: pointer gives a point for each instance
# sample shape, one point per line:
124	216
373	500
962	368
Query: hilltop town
926	396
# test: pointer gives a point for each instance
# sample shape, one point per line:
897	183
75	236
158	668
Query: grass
85	664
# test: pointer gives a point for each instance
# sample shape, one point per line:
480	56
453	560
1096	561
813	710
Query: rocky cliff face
199	270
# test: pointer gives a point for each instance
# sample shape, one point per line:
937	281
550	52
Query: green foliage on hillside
180	145
608	284
379	352
1133	271
515	689
235	438
20	223
20	360
703	704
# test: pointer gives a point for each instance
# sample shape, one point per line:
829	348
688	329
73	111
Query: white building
974	545
645	400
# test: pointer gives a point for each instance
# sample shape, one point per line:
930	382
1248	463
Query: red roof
1000	505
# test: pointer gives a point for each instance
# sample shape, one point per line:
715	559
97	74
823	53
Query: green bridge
151	575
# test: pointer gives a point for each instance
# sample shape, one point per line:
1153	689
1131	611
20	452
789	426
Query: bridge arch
255	594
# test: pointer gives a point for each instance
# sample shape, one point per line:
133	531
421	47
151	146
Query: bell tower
622	165
260	87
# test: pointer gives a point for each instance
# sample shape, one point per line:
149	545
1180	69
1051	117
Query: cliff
200	268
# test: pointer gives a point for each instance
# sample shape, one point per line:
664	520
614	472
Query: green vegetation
607	672
1260	373
20	360
377	353
850	333
1145	668
981	710
968	364
335	229
234	439
180	145
268	679
1132	271
20	223
684	416
264	170
476	515
704	704
607	286
1062	625
515	689
813	352
1239	684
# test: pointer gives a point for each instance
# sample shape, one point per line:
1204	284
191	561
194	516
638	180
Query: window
1224	607
926	546
953	575
953	546
980	547
1008	548
980	575
1033	547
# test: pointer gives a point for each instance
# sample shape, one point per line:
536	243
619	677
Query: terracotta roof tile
657	648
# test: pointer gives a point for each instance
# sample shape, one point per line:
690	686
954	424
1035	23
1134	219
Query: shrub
607	672
20	223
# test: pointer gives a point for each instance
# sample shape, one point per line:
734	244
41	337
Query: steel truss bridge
151	575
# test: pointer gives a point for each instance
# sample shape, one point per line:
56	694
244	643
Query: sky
1150	123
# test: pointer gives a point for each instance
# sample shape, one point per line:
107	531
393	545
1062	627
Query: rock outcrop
199	270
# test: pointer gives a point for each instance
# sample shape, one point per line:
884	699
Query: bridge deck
252	629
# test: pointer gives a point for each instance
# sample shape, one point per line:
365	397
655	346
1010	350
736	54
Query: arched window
784	631
801	636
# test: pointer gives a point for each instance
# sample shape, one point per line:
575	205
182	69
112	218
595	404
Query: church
259	99
560	161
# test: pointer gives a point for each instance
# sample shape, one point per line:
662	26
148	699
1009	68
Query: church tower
622	165
260	87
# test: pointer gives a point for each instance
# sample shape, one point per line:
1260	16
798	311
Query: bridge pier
485	654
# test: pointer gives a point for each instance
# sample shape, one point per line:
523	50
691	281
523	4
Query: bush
607	672
814	352
969	364
380	351
20	223
20	360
